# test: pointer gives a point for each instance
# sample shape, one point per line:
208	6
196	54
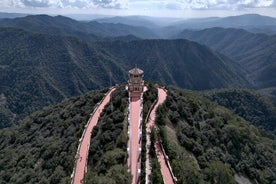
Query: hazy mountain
251	22
255	52
45	24
39	69
60	25
144	21
11	15
118	29
128	20
166	27
204	141
246	20
179	62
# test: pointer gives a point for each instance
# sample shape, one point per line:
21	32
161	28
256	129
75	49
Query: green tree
219	173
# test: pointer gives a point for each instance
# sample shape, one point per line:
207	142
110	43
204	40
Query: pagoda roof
136	71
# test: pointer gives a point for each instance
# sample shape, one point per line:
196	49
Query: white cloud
117	4
201	4
182	7
36	3
225	4
174	6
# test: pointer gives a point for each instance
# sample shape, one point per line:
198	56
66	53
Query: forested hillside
107	161
48	61
179	62
42	147
41	69
60	25
253	106
208	143
203	141
255	52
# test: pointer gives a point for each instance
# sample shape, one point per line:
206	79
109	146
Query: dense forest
205	142
208	143
107	162
253	106
256	53
39	68
213	136
42	147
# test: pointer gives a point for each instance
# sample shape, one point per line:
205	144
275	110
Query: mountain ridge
225	136
60	25
255	52
51	67
249	22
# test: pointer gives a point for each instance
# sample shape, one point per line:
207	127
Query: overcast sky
161	8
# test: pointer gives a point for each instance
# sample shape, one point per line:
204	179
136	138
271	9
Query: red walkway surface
135	104
85	143
166	174
167	177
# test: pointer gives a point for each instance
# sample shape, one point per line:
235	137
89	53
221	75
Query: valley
207	113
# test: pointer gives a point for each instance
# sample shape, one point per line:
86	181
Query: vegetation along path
82	154
167	177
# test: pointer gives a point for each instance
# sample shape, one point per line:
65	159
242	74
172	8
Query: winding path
81	160
167	177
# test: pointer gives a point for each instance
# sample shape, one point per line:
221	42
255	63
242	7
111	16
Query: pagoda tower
136	82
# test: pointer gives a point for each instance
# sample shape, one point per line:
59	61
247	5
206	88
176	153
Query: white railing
82	136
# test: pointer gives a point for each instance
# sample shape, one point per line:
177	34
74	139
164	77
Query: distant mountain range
255	52
40	69
60	25
251	22
167	27
12	15
45	59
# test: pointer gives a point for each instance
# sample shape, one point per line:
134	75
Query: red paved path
167	178
85	143
135	104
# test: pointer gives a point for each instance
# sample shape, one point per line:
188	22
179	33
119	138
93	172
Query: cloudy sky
163	8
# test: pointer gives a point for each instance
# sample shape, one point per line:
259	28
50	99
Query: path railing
83	133
162	149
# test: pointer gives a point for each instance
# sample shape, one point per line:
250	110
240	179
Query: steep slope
42	147
255	52
203	140
253	106
39	69
208	143
250	22
107	161
179	62
128	20
45	24
60	25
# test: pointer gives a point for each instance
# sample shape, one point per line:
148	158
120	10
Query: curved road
167	177
80	167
